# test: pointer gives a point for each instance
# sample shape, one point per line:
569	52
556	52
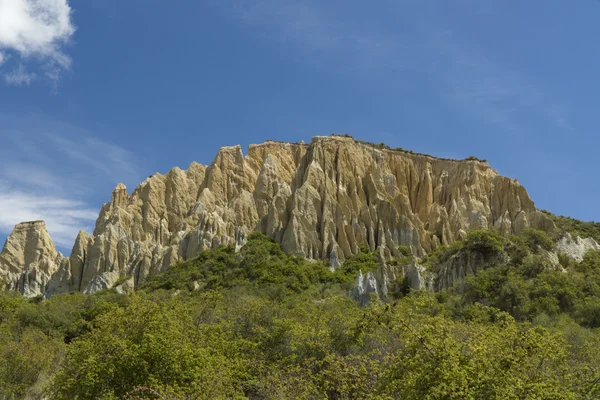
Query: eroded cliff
29	259
325	199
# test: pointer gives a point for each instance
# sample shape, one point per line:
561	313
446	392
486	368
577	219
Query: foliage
484	241
538	240
405	251
152	345
576	227
261	263
442	254
121	280
261	324
383	146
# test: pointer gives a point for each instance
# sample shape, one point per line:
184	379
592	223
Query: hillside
261	324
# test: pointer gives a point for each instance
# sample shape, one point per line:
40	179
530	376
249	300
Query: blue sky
96	92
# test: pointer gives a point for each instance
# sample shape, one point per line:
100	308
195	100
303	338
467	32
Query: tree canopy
261	324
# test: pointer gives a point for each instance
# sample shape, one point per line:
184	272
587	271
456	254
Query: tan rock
325	200
29	259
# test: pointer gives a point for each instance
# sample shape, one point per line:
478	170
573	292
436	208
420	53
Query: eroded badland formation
322	200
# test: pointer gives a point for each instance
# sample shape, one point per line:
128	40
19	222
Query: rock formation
29	259
576	248
364	286
464	263
322	200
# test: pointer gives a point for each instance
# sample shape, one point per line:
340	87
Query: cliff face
325	200
29	259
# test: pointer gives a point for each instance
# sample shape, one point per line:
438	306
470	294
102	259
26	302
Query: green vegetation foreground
261	324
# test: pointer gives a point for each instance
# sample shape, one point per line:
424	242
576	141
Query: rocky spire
29	259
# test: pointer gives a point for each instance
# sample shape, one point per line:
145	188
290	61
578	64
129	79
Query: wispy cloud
319	32
84	150
59	173
18	76
485	89
397	40
63	217
34	30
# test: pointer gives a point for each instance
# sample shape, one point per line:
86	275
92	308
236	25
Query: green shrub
564	260
405	251
590	263
121	280
537	240
484	241
262	324
576	227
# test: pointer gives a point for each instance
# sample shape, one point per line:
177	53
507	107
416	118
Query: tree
147	345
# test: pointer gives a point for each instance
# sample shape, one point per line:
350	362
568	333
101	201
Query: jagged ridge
325	199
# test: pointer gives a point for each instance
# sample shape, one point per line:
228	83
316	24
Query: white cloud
58	173
64	218
85	150
36	29
19	76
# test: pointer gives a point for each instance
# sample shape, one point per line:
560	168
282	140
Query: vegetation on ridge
383	146
576	227
261	324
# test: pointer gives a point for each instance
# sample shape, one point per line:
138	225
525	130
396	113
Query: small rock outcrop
417	277
364	286
576	247
325	199
385	281
466	262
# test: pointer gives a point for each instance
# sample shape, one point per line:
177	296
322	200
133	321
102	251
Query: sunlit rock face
29	259
324	200
576	247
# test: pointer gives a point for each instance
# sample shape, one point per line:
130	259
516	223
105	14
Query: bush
576	227
261	324
147	345
537	240
590	263
564	260
121	280
484	241
405	251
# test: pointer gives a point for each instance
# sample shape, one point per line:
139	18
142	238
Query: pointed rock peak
82	235
27	242
228	154
257	150
30	225
28	234
231	149
175	173
119	195
151	179
195	166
